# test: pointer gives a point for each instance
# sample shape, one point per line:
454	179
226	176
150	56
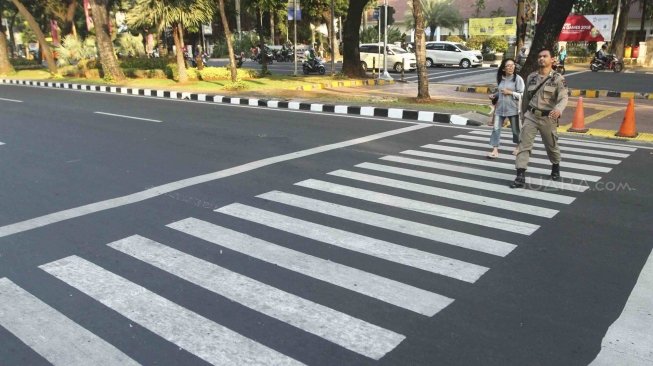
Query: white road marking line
576	73
11	100
377	287
130	117
50	333
2	143
542	182
344	330
463	73
426	208
433	263
499	188
446	236
176	324
540	146
629	340
481	153
565	156
485	163
564	141
522	208
188	182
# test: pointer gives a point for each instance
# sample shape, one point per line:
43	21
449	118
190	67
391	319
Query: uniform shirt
507	105
552	95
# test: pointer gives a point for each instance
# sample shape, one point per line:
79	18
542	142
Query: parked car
450	53
398	58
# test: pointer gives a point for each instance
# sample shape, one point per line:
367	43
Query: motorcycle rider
310	57
602	55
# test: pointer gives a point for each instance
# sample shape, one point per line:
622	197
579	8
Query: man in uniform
543	103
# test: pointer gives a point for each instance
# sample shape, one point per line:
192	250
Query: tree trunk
12	38
272	27
230	47
432	33
521	26
420	52
351	64
261	45
5	65
178	37
110	66
34	26
68	24
547	32
617	46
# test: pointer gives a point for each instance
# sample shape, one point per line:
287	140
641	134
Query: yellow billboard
503	26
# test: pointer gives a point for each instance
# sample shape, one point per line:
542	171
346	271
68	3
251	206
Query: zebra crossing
446	194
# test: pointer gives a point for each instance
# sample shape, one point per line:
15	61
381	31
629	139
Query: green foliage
145	74
441	13
238	85
497	43
580	49
131	45
23	64
144	63
73	50
455	39
371	35
166	13
224	73
476	42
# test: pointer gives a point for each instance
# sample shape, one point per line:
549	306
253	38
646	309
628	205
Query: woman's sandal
492	155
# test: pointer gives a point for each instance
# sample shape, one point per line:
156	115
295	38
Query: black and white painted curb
396	113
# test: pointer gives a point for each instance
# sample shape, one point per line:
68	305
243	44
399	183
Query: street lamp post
385	75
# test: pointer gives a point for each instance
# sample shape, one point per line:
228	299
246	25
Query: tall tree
617	46
441	14
479	6
547	31
351	63
175	14
420	52
5	65
34	26
101	23
230	46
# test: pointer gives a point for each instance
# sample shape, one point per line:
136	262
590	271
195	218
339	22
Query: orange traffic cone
628	128
578	124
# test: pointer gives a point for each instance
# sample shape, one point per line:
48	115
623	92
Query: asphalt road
629	81
203	233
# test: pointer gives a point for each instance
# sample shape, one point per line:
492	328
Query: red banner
590	28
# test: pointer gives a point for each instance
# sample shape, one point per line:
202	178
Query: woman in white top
510	88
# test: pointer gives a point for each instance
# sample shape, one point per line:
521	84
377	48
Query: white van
397	57
450	53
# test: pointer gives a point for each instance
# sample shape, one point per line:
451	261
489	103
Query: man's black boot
520	179
555	172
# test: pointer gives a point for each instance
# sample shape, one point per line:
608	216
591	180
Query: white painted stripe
565	156
395	113
160	93
51	334
344	330
434	233
425	116
380	288
316	107
458	120
235	100
188	330
341	109
495	164
253	102
273	103
481	153
499	188
448	194
629	340
367	111
540	146
2	143
548	183
173	186
202	97
426	208
564	141
433	263
11	100
293	105
130	117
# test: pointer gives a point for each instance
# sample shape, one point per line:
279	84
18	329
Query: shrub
476	42
130	45
145	74
238	85
23	64
455	39
72	50
371	35
498	44
144	63
223	73
172	72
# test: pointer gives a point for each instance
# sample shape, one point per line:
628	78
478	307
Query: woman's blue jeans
495	138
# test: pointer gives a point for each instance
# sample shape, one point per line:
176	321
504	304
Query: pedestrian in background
510	88
545	100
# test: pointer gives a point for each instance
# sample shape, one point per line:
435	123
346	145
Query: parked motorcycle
557	66
284	55
258	57
612	63
317	66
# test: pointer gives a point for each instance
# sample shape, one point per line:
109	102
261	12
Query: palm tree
420	52
108	60
5	65
34	26
175	14
230	47
441	14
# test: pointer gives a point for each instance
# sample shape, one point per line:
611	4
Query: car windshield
463	47
397	50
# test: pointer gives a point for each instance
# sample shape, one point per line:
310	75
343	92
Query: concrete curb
587	93
396	113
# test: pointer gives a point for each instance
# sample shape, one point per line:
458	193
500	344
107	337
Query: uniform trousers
547	128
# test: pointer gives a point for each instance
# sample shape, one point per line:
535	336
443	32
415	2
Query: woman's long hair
502	72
